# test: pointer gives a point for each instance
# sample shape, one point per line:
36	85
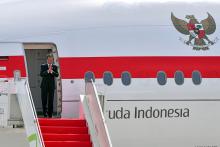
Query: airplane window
89	76
179	77
196	77
126	78
108	78
161	78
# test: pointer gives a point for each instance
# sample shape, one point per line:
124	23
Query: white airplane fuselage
139	39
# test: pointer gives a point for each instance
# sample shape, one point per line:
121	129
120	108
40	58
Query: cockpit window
196	77
179	77
161	78
108	78
89	75
126	78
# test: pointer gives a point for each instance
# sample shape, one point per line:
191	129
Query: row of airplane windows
161	77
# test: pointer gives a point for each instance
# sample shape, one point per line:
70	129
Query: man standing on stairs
48	73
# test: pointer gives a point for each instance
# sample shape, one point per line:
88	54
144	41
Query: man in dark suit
48	73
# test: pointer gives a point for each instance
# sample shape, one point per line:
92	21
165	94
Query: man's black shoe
45	115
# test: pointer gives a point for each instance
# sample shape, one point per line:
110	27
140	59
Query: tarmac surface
13	137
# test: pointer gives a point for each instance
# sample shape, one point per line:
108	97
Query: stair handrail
39	133
103	139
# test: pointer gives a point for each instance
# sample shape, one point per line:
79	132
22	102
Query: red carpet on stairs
65	132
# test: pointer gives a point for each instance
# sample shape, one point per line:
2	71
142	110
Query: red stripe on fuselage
11	64
140	67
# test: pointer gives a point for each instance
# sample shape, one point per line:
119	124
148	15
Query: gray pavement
13	137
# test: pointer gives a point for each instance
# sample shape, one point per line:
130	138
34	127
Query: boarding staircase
89	130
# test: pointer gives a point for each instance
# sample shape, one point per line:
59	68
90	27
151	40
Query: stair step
68	144
62	122
66	137
64	130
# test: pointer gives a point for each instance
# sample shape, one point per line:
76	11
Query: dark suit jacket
48	79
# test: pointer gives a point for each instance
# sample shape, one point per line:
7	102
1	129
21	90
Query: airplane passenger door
36	54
